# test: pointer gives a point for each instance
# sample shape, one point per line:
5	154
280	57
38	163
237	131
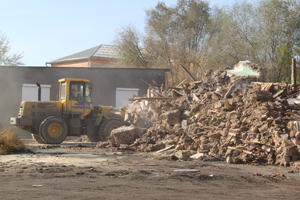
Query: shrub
9	142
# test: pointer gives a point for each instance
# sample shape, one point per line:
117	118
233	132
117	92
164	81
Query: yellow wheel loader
50	122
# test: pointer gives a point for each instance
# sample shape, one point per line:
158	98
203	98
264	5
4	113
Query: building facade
111	86
98	56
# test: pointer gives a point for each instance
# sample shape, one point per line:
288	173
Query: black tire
53	130
107	126
38	139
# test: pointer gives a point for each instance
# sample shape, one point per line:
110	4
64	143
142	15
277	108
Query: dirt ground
81	171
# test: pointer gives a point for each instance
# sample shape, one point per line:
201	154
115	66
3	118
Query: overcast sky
47	30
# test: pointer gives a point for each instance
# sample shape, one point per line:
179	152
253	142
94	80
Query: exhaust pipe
39	91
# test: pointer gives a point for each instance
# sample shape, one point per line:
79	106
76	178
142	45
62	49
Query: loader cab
75	95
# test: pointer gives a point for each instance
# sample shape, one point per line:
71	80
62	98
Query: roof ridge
95	51
100	51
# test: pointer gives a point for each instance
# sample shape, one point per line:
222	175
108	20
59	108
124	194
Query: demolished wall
230	118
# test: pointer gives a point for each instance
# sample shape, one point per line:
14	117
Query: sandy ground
71	172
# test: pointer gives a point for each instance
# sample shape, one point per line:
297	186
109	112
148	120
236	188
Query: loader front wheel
53	130
107	126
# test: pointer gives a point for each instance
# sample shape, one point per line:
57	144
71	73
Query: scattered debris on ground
9	142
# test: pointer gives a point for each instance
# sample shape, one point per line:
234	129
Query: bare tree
235	36
177	35
266	32
129	42
279	30
5	57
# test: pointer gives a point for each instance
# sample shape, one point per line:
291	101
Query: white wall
123	94
30	92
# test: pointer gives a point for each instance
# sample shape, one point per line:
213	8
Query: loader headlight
20	109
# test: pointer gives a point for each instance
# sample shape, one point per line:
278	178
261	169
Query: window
63	91
88	91
77	90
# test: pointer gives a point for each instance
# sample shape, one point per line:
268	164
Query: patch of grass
9	142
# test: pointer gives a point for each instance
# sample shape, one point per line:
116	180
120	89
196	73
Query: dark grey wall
104	80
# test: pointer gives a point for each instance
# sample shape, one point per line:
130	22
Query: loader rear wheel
38	139
53	130
107	126
94	137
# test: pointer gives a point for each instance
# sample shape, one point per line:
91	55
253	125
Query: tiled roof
107	52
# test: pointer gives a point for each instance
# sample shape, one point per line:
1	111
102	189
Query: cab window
63	91
77	91
88	91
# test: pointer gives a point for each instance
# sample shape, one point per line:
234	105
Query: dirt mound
9	142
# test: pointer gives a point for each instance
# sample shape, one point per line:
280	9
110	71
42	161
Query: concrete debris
183	154
232	118
198	156
171	117
123	135
244	68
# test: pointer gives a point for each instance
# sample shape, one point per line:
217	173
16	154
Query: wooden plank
236	148
263	86
146	82
261	83
229	91
266	86
295	117
156	93
156	98
181	83
187	71
278	93
269	86
165	149
294	73
156	84
295	93
226	143
196	98
247	152
174	88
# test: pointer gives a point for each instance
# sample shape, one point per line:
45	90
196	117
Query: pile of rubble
232	118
